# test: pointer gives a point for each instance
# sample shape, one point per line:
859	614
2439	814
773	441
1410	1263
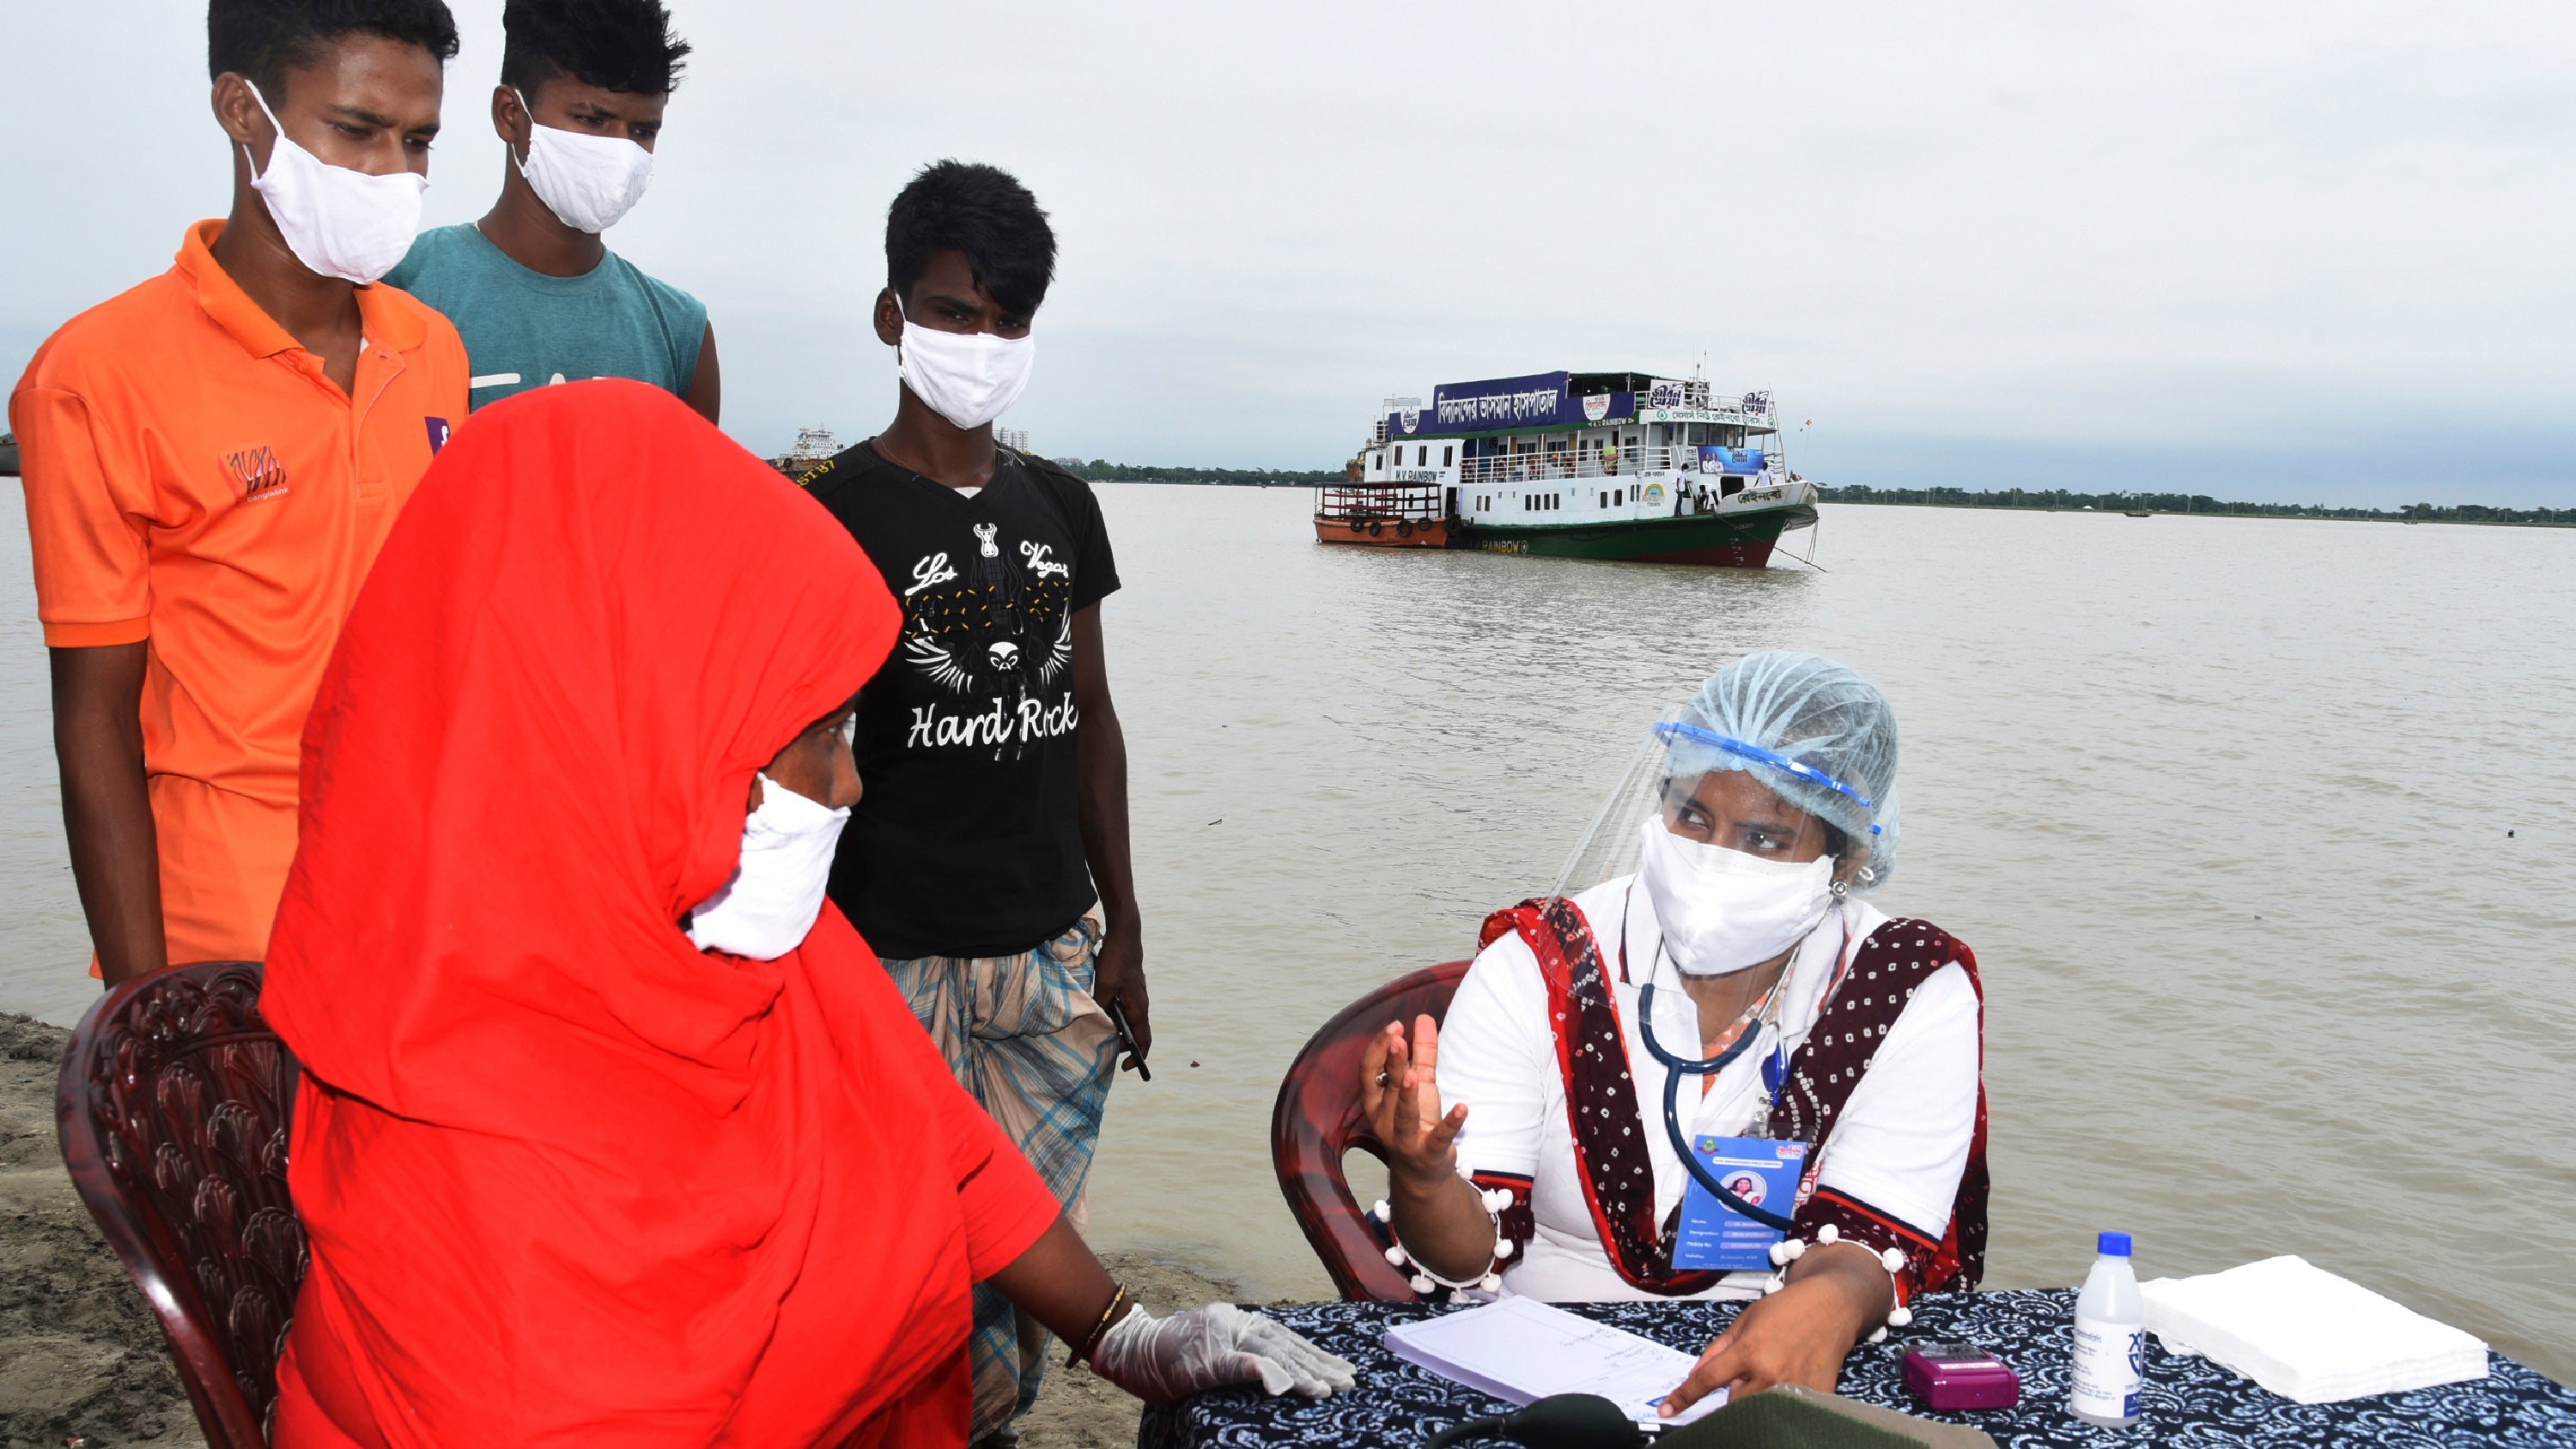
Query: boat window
1448	456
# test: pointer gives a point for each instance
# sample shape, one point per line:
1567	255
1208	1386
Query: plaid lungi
1023	1034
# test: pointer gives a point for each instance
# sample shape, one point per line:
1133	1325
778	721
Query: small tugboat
1602	465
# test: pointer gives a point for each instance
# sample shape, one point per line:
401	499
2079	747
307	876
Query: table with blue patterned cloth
2188	1401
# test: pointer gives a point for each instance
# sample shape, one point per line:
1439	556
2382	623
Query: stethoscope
1774	1072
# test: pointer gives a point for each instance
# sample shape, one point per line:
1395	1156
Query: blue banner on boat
1730	460
1537	401
1503	404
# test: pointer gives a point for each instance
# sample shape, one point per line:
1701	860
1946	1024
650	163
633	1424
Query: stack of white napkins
2306	1334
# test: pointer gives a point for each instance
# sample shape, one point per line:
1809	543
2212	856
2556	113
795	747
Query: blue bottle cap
2113	1245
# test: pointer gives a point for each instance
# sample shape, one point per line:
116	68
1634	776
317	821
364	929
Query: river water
2259	828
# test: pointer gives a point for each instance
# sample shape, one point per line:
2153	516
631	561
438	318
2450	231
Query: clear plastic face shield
1737	874
1715	790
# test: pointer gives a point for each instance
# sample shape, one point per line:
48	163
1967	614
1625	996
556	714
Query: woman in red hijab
567	1177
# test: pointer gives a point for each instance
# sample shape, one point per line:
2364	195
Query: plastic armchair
173	1107
1318	1119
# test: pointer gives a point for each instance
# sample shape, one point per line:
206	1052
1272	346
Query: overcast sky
2323	252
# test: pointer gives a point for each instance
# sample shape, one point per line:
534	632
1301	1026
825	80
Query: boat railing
1347	501
1511	468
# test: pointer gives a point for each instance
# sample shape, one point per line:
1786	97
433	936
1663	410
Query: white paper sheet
1520	1350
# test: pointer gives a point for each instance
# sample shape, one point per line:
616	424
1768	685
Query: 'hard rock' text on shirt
1033	720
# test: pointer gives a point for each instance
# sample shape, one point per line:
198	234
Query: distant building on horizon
1015	439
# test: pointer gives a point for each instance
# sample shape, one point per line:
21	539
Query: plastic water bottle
2110	1339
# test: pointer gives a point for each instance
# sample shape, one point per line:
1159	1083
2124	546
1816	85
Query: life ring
1376	527
1404	528
1359	525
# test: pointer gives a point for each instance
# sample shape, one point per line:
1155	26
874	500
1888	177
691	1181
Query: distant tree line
1101	471
2060	498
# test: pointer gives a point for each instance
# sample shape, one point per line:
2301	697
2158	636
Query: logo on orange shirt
260	472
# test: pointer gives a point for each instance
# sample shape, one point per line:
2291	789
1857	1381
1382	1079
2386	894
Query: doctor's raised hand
1446	1229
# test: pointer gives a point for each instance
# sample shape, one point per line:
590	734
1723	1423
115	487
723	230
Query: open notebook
1521	1350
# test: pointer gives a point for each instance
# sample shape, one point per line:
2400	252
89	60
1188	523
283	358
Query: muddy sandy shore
81	1358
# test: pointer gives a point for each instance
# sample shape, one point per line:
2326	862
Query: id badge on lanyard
1763	1171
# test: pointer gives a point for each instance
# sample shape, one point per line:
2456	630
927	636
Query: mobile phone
1127	1042
1952	1376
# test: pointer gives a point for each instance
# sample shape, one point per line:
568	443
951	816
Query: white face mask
338	222
1724	910
969	378
588	182
776	892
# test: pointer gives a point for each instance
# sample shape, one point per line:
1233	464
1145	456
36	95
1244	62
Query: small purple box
1952	1376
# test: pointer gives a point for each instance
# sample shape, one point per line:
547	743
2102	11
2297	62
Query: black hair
264	39
616	45
982	211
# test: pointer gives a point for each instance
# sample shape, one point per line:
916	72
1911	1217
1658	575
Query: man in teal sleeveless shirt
537	295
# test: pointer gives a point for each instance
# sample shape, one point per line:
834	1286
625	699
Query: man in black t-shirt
995	810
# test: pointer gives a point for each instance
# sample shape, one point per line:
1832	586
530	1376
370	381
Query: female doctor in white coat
1709	969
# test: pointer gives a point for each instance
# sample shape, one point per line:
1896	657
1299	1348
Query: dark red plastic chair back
1318	1119
173	1105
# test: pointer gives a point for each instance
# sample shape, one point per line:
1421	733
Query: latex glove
1165	1360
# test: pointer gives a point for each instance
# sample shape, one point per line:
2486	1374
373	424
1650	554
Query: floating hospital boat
1605	465
813	446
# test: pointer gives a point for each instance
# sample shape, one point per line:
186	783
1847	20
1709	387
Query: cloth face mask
588	182
1723	910
338	222
969	378
765	911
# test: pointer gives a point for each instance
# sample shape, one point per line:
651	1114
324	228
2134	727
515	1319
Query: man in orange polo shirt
211	461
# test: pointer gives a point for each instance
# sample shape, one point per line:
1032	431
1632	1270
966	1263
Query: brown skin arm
107	809
1438	1216
1059	1283
1799	1335
706	386
1119	972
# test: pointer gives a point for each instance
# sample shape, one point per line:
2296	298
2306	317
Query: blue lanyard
1774	1072
1679	1067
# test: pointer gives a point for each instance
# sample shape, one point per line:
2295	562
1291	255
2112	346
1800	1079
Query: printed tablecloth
2188	1401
